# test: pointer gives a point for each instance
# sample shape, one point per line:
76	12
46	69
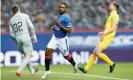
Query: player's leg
50	48
97	52
105	58
92	58
25	61
71	60
19	44
103	45
33	71
26	47
91	61
63	46
48	53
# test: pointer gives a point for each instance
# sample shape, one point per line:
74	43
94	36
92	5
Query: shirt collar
17	12
112	12
63	14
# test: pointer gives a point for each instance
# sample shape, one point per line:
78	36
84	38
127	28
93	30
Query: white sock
30	67
23	64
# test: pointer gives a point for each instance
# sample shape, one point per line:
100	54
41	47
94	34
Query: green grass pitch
123	71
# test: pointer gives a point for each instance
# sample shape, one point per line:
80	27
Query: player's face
62	9
111	6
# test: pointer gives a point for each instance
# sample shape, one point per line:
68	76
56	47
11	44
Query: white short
25	44
61	43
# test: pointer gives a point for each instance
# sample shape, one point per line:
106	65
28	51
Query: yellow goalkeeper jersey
109	22
109	37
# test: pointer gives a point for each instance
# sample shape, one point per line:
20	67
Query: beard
62	12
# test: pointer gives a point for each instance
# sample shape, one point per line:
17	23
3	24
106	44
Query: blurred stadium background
88	18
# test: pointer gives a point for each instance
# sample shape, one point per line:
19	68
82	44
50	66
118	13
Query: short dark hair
116	5
15	8
64	4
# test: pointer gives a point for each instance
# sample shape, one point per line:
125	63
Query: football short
106	41
25	44
61	43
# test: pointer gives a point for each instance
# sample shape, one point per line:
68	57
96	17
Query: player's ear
66	10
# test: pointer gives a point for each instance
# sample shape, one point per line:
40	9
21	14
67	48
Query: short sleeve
68	22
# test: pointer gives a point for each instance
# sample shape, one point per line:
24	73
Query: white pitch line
75	74
104	77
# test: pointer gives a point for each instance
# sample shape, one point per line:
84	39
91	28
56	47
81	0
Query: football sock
47	62
30	67
70	59
90	62
105	58
23	64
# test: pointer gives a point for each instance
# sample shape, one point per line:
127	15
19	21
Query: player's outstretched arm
31	30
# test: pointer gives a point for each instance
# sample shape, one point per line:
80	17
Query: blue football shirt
65	21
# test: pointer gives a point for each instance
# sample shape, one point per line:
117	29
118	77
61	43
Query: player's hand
58	22
100	33
34	39
53	28
101	37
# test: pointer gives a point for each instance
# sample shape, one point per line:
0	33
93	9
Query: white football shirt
20	24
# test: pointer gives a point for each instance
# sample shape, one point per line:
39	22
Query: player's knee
48	51
96	52
28	56
68	57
